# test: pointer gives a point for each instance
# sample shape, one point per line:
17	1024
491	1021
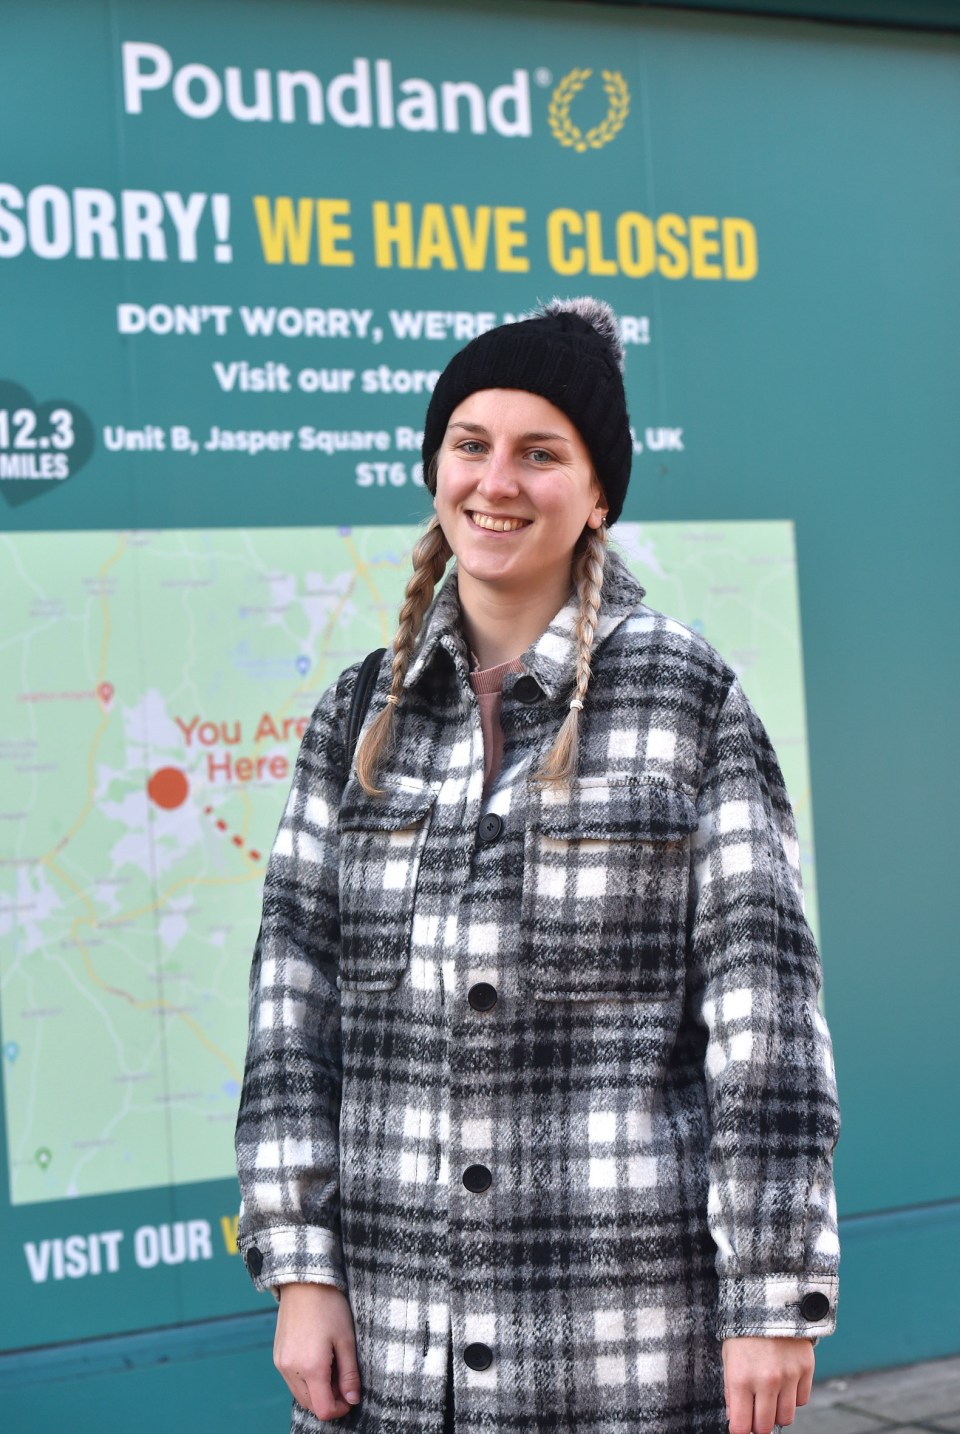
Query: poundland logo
367	96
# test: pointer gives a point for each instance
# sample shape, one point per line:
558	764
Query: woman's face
515	489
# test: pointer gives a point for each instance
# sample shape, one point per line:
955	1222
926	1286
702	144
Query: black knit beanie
570	354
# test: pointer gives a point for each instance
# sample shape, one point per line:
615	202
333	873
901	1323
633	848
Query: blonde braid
430	558
560	763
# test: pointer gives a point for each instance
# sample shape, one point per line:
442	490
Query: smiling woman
515	490
538	1115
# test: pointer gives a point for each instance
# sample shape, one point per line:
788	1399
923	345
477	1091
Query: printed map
156	684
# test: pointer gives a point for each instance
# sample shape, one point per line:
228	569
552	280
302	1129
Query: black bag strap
360	701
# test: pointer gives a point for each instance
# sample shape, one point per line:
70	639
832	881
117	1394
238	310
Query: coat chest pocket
606	872
381	843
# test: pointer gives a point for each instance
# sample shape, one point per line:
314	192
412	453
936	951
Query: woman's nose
499	479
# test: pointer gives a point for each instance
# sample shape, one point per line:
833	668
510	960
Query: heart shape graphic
38	440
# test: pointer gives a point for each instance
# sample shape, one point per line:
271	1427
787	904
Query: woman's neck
500	625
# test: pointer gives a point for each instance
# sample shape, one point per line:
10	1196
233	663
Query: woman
538	1099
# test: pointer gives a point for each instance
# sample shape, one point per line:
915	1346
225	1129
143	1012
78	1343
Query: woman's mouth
497	525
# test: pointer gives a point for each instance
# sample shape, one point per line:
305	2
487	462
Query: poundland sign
367	96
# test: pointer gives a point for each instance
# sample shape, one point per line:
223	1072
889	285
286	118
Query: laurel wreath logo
564	130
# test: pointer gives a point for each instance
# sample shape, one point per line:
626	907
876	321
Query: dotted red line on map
237	841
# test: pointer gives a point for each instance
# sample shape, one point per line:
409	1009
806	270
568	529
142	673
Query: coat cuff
791	1306
293	1254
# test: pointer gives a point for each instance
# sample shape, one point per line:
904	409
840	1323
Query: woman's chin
483	570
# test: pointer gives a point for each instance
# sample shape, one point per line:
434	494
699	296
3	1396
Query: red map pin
105	693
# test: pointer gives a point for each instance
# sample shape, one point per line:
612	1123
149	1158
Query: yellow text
287	228
451	238
701	246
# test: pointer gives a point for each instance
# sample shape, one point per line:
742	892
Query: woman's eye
471	445
541	455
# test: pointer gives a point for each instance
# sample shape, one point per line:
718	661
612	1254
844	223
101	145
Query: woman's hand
315	1349
764	1381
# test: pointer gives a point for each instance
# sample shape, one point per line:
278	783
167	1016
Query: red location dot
105	693
168	787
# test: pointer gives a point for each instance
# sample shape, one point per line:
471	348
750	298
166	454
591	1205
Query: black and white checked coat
651	1094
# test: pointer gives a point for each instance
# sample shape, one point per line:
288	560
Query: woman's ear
601	507
598	515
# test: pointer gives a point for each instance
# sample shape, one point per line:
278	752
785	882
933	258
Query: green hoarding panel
237	242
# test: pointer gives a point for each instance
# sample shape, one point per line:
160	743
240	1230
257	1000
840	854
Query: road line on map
105	641
328	632
363	569
206	1041
152	1005
106	705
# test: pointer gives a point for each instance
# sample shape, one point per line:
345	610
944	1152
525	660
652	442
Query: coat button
527	689
490	827
482	996
254	1261
477	1178
815	1305
478	1356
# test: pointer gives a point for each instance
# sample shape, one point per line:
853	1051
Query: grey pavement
915	1399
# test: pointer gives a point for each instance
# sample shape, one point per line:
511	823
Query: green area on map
156	685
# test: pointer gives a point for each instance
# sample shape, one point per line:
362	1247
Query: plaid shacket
543	1075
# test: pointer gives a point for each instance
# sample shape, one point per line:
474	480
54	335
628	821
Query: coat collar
552	658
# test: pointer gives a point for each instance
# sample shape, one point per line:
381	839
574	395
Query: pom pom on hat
597	314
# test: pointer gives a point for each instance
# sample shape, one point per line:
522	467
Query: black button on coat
477	1178
527	689
491	826
482	996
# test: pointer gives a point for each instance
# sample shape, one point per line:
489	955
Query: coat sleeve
287	1129
755	979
